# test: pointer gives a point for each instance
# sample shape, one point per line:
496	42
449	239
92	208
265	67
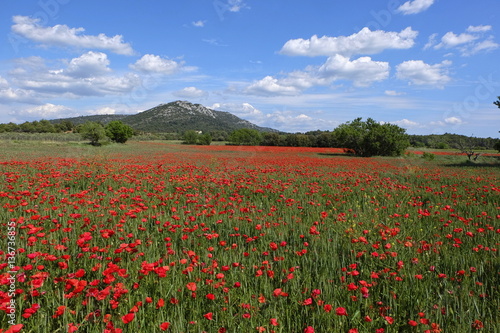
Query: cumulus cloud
415	6
46	111
198	24
10	95
362	71
154	64
190	92
419	73
362	42
468	43
453	121
450	39
87	65
405	123
64	36
271	86
34	75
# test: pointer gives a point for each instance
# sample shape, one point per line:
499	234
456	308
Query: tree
245	136
118	131
94	132
370	138
497	103
191	137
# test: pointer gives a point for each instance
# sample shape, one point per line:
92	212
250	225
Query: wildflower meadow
156	237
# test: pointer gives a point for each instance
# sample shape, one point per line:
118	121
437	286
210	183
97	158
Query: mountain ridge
177	116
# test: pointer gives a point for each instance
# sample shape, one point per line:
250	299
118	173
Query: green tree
204	139
118	131
191	137
370	138
245	136
94	132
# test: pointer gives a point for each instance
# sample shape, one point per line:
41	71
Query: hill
178	116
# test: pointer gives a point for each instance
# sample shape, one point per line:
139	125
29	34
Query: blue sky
430	66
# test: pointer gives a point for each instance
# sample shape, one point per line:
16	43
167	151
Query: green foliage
118	131
192	137
497	146
370	138
428	156
246	137
94	132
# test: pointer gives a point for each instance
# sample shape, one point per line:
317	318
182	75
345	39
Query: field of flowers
150	237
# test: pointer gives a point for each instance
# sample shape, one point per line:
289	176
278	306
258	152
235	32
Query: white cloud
243	110
453	121
10	95
190	92
405	123
46	111
102	111
34	75
64	36
415	6
393	93
479	28
468	43
3	83
419	73
362	71
486	45
153	64
236	5
363	42
451	40
87	65
198	24
271	86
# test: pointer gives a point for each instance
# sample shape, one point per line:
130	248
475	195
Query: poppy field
151	237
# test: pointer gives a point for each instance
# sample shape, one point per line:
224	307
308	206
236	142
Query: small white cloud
236	5
479	28
431	41
405	123
199	24
271	86
153	64
393	93
419	73
415	6
363	42
102	111
64	36
453	121
190	92
450	39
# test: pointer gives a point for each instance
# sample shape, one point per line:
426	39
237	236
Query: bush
94	132
118	131
245	136
370	138
428	156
